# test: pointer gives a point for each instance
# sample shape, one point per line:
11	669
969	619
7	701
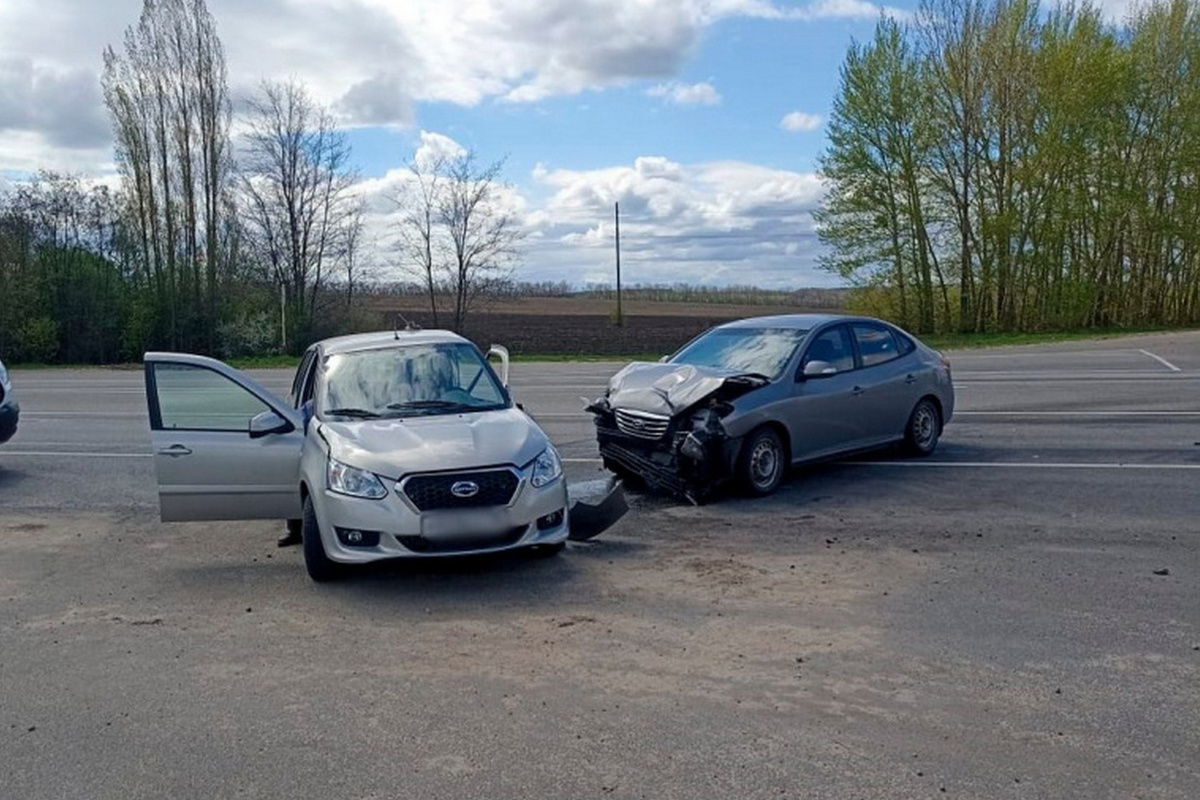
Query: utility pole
617	217
283	316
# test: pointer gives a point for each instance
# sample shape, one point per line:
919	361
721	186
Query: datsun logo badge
465	489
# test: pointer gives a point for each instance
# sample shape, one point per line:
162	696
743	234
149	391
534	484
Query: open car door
224	447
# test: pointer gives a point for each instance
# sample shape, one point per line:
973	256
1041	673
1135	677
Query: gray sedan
746	399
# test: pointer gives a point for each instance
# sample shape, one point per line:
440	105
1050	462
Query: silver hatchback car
396	444
746	399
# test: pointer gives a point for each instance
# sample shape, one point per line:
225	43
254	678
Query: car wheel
762	463
320	566
924	428
547	550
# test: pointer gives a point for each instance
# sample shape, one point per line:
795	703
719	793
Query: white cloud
686	94
800	122
435	147
719	223
373	61
723	222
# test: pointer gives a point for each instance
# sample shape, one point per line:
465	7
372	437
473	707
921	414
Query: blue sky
763	69
675	108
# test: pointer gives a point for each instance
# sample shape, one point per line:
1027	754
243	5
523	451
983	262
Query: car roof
384	339
795	321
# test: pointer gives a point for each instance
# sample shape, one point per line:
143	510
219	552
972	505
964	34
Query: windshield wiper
357	413
434	405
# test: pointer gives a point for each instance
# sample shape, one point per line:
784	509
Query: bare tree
167	95
419	201
482	234
350	249
299	207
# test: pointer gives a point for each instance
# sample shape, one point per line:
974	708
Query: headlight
547	468
3	376
355	482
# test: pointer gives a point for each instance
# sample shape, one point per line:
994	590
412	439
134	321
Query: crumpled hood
668	389
396	447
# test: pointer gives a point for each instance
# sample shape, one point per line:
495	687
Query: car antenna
408	326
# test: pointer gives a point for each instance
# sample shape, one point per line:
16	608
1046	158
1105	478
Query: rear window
876	345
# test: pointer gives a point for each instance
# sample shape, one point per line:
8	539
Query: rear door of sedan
224	446
888	381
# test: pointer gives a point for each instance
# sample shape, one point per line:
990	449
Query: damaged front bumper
687	456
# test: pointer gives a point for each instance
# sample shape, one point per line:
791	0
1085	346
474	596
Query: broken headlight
547	468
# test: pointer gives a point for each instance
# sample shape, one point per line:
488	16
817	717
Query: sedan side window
876	345
198	399
832	347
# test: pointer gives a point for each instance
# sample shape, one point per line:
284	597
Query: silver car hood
396	447
668	389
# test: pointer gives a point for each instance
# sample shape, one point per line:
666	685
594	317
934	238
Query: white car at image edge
10	411
400	444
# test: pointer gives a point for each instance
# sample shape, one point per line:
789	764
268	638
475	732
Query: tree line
210	241
997	166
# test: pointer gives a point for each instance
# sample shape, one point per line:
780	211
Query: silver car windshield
413	380
765	351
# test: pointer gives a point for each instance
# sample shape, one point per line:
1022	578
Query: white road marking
1076	413
1060	375
980	464
1157	377
966	355
1017	465
98	414
1161	360
64	454
584	416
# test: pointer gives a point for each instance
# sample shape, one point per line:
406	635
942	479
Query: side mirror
268	422
664	359
501	353
818	369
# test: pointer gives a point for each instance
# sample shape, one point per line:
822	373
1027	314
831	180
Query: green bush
37	341
254	334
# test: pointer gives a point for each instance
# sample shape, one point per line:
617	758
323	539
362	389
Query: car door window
199	399
302	377
876	345
833	347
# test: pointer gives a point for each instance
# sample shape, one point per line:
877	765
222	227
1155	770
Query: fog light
550	521
352	537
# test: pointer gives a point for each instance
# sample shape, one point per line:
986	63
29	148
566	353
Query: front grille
641	425
431	492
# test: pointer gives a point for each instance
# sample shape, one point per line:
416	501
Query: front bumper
405	532
689	461
10	413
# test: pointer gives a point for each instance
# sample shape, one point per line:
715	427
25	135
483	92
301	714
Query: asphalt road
984	623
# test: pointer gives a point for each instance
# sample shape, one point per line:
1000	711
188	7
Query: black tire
321	567
762	463
923	430
547	550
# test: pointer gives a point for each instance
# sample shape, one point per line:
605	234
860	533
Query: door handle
858	390
175	450
910	378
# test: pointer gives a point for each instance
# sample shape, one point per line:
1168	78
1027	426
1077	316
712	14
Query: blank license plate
466	523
